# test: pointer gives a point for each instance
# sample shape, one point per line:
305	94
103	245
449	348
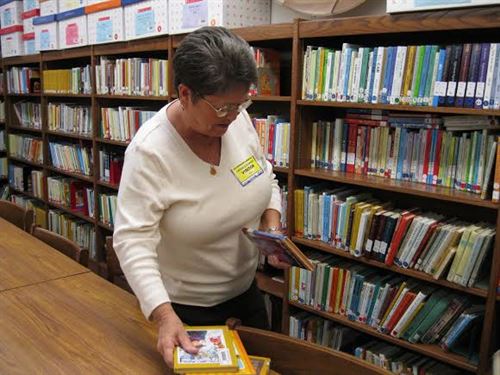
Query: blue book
444	86
439	77
369	92
388	74
481	81
473	75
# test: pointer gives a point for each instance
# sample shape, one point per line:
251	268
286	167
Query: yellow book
215	351
408	73
340	286
466	255
393	302
262	365
358	210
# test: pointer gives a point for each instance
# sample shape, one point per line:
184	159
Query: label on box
7	17
104	29
144	21
72	34
45	39
30	4
195	13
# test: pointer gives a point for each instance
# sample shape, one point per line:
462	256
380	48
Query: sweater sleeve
141	205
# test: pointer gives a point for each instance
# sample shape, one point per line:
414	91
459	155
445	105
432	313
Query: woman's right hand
171	333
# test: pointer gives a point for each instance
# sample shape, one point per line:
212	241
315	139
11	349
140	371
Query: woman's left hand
275	262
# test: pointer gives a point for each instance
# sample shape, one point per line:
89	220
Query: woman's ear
184	95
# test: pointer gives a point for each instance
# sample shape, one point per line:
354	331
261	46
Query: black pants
249	307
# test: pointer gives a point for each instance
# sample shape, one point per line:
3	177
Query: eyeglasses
228	108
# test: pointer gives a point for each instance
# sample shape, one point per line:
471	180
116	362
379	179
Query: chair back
17	215
291	356
115	273
62	244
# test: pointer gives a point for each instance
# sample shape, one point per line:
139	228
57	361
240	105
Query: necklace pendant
213	171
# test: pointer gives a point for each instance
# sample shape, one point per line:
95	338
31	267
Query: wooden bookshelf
25	129
133	97
267	284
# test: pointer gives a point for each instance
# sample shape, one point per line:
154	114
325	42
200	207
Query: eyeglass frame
224	110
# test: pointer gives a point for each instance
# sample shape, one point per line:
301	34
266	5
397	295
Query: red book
333	289
366	151
437	158
428	144
351	148
422	248
400	310
270	147
399	234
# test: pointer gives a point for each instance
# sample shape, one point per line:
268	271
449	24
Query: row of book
407	238
110	166
21	178
67	81
274	137
121	124
71	157
132	76
69	118
409	147
71	193
392	358
107	208
28	114
457	75
26	147
268	72
23	80
39	212
393	305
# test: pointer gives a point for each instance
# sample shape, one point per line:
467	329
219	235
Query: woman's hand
171	333
275	262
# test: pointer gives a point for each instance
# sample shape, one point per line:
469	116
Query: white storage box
11	13
145	18
72	26
188	15
29	44
65	5
48	7
30	4
46	33
105	26
395	6
28	20
12	41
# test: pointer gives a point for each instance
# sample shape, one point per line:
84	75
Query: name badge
246	171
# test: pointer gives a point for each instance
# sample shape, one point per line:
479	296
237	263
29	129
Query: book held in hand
216	351
279	245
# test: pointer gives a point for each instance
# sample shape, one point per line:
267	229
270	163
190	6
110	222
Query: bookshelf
444	27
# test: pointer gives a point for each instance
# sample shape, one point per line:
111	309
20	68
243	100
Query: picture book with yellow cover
216	351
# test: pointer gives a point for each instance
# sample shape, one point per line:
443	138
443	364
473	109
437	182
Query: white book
363	226
367	92
396	331
408	245
328	74
397	81
356	72
352	72
379	71
435	252
337	145
335	79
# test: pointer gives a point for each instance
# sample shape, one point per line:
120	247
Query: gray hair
213	60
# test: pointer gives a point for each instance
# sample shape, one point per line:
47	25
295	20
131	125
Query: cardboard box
65	5
105	22
48	7
11	13
72	26
187	15
11	39
29	44
46	33
30	4
28	20
145	18
396	6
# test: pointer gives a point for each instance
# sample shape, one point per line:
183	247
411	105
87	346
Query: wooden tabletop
77	325
25	260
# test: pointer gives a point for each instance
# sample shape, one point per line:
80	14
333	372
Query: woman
194	176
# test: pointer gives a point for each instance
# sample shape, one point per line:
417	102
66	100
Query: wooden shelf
433	351
28	194
111	142
71	212
133	97
30	95
65	95
71	174
21	60
26	129
108	185
402	271
25	161
405	108
69	135
284	170
270	98
268	285
68	54
156	44
105	226
405	187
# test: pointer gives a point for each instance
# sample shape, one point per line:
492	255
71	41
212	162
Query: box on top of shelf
28	20
46	33
105	22
29	43
12	41
66	5
72	26
145	18
11	13
48	7
395	6
94	6
188	15
30	4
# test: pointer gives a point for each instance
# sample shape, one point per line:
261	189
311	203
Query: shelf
25	161
71	212
65	95
25	128
111	142
268	285
108	185
405	187
21	60
71	174
270	98
405	108
28	194
105	226
281	169
433	351
30	95
156	44
402	271
69	135
67	54
133	97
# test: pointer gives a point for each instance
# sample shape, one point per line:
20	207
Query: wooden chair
62	244
17	215
115	273
290	356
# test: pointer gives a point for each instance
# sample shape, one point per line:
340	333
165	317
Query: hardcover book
279	245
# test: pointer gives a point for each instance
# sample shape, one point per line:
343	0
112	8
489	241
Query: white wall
281	14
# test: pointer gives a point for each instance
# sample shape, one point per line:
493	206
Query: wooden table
76	325
25	260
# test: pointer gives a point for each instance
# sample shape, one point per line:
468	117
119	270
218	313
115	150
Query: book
216	351
261	364
279	245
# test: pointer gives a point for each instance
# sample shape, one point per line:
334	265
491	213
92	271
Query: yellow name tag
247	171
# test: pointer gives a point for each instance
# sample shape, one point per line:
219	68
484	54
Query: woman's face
212	115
